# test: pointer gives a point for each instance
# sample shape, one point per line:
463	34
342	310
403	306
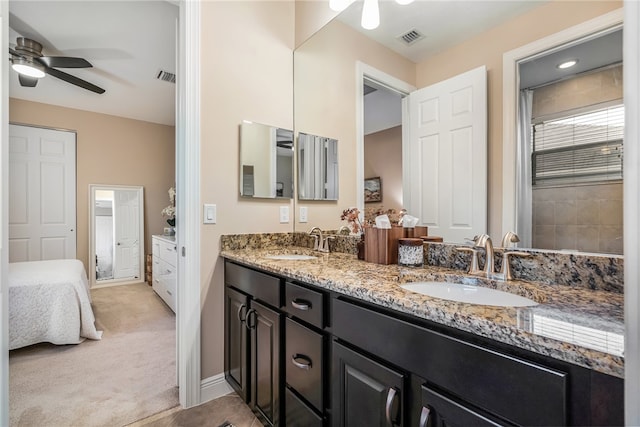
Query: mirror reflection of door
116	235
383	144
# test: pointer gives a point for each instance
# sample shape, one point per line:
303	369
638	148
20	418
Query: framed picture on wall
372	190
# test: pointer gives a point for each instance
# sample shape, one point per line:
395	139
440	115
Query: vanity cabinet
253	330
164	272
304	356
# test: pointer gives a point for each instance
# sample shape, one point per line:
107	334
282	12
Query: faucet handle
509	237
506	267
473	267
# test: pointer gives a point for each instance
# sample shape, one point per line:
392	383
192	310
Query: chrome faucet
319	240
344	228
484	242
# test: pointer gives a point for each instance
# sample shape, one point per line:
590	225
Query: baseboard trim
214	387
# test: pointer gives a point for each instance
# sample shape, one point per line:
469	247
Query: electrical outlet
303	214
284	214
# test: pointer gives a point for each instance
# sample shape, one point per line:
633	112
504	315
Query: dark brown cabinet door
365	393
236	366
438	410
266	381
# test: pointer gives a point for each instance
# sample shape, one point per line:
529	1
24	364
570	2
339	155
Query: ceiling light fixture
567	64
370	15
28	68
370	11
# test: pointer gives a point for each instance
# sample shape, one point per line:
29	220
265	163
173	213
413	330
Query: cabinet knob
301	361
391	398
424	417
301	304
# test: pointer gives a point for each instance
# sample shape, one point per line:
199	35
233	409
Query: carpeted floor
128	375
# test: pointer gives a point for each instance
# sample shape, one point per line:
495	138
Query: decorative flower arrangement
352	216
170	211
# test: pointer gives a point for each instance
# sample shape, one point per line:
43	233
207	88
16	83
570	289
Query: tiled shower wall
586	217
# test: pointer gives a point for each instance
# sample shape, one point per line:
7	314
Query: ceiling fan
31	65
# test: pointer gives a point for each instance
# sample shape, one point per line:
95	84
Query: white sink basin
470	294
291	257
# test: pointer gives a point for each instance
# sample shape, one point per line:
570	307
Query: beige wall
582	91
311	15
488	49
383	158
111	150
325	102
247	70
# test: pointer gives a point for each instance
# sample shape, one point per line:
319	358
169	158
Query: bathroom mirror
317	167
326	113
266	161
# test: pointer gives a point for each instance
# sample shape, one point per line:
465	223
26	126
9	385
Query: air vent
411	37
166	76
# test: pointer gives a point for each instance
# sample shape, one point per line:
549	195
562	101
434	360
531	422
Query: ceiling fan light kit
27	60
27	68
370	11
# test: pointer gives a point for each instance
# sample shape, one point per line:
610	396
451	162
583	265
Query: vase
360	246
171	222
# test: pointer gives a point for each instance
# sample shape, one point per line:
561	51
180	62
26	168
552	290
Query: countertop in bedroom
576	325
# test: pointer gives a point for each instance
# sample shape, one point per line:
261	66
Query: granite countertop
577	325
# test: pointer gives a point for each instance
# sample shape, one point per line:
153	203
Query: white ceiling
444	23
127	42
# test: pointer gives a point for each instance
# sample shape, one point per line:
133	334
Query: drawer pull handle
304	363
301	304
424	417
169	292
242	317
391	397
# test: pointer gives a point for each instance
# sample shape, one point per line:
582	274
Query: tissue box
381	244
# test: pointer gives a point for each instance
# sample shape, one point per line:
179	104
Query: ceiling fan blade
27	81
73	80
64	62
14	53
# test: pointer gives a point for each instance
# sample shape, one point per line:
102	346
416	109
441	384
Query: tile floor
229	409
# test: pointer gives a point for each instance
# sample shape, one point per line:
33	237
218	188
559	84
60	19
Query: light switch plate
284	214
209	215
303	214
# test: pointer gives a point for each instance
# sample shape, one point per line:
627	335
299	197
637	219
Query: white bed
49	301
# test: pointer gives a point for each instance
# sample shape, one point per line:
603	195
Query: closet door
42	194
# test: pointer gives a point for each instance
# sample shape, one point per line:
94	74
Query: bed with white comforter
49	301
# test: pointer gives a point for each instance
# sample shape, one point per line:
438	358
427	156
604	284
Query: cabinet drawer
305	304
516	389
168	252
304	362
298	414
261	286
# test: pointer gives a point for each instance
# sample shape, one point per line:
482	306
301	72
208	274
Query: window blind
585	147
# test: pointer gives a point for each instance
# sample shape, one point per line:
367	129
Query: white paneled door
42	194
448	156
126	204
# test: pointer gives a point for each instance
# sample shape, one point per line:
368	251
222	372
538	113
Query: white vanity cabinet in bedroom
165	261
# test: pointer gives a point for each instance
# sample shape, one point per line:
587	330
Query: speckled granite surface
573	324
